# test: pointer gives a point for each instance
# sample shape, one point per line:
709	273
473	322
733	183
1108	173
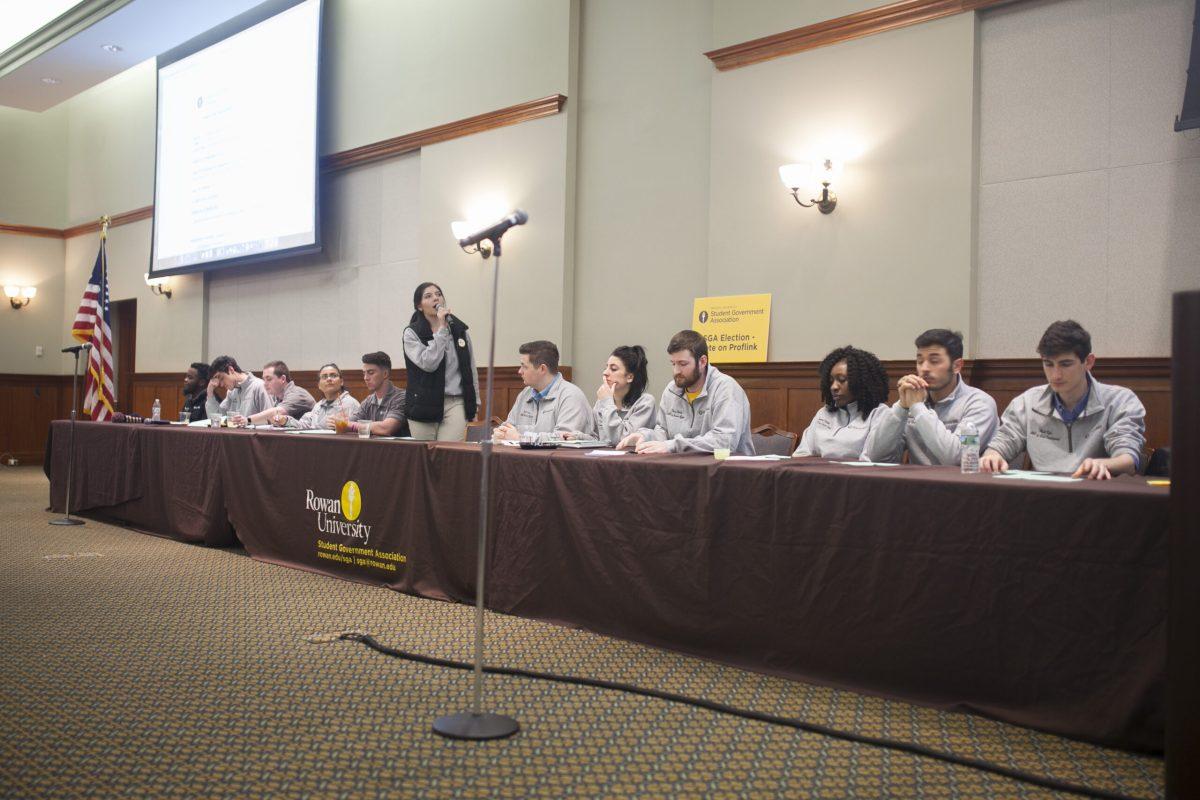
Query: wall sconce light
158	286
19	296
796	175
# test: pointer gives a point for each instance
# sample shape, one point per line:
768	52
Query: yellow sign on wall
736	326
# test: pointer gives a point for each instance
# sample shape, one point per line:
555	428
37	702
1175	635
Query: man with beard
195	395
549	403
701	409
933	404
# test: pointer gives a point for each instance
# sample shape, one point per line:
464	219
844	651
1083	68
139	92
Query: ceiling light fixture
51	81
111	48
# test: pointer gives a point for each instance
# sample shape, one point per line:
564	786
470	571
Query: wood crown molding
388	148
138	214
842	29
31	230
367	154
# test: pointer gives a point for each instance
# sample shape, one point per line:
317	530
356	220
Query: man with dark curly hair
854	388
1073	423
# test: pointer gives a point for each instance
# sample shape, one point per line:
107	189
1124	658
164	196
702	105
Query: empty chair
770	441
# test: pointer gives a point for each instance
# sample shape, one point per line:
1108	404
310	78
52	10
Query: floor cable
1053	784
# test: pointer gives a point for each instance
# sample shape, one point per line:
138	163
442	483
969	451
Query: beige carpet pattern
135	666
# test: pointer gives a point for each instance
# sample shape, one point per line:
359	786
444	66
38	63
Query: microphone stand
477	724
68	520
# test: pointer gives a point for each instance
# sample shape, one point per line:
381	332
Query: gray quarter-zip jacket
841	433
930	431
248	399
718	418
564	409
1112	424
614	424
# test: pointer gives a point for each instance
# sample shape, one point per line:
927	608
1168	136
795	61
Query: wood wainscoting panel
27	405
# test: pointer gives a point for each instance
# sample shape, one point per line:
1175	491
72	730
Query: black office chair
1159	463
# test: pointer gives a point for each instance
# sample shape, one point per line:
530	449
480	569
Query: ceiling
71	51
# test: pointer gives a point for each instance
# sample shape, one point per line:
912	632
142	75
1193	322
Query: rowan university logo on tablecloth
344	535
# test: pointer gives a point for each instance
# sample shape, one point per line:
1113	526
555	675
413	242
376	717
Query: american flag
92	325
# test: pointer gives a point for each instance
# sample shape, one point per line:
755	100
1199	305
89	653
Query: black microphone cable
1043	782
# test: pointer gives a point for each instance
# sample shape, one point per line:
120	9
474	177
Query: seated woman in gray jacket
854	388
336	401
622	404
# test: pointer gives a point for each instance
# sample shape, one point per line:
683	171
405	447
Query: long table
1042	604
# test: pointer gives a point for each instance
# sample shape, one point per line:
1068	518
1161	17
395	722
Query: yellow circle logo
351	501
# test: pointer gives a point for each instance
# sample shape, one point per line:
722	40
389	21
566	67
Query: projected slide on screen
236	165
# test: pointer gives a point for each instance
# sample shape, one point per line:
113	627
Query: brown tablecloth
1042	604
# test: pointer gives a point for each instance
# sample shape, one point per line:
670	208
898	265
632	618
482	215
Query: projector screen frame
219	33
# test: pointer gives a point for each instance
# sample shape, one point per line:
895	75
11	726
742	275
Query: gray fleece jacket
1113	423
719	417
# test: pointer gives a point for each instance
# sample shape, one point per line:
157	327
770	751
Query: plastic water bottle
156	413
969	436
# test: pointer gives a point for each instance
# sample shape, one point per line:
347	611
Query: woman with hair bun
622	404
854	389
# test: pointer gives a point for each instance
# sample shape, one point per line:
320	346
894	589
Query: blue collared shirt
540	396
1070	415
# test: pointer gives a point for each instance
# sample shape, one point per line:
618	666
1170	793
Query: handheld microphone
517	217
439	307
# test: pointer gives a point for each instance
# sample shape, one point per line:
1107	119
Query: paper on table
758	458
314	430
201	423
606	452
866	464
1037	476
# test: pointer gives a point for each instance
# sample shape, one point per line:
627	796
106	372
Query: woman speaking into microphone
443	385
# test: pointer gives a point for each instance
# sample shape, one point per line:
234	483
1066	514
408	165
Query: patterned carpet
140	667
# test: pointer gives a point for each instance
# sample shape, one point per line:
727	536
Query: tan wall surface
736	21
1088	199
895	257
31	261
32	168
393	67
641	246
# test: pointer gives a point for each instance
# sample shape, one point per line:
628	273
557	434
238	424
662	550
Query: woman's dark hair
867	378
634	359
418	322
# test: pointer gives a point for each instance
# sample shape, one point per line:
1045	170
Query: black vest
426	397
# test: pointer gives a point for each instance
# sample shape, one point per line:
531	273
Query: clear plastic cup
364	429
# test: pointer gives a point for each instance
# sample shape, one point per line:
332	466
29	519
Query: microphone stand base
475	726
67	521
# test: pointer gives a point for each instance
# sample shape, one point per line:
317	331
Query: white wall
1088	204
894	258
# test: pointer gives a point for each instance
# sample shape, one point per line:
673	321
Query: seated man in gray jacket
701	409
287	399
1074	423
934	402
245	394
549	403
